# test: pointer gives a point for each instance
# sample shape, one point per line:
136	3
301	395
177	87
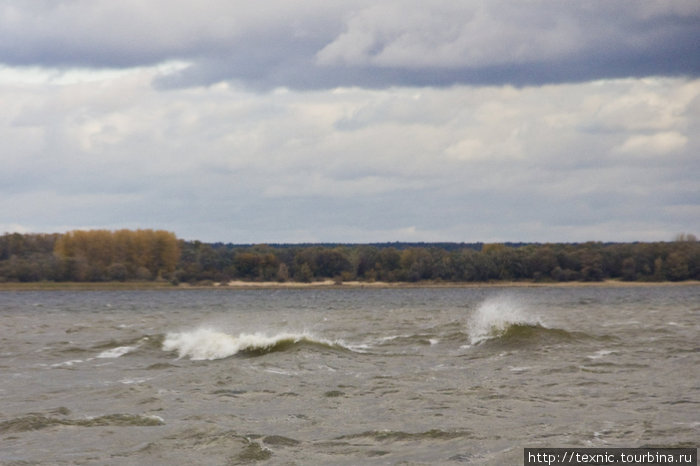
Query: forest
157	255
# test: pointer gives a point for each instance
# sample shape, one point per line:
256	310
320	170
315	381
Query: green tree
416	264
629	269
676	267
331	263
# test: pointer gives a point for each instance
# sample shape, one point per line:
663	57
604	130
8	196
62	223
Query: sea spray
209	344
495	316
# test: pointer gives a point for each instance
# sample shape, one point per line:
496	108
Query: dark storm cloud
312	44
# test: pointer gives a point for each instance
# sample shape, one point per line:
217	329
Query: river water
345	376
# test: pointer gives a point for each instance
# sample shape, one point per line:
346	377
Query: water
345	376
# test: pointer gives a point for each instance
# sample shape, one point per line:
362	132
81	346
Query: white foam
67	363
359	348
600	353
208	344
128	381
116	352
278	371
517	369
494	316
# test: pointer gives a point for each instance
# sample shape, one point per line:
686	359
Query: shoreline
325	284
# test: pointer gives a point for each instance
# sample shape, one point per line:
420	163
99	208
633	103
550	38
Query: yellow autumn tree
130	253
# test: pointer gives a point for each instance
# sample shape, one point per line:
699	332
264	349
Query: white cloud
221	163
653	144
641	105
454	34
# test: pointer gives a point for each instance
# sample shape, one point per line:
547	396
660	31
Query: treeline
101	255
662	261
89	256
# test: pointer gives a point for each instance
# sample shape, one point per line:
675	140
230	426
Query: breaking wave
117	349
504	321
500	317
116	352
208	344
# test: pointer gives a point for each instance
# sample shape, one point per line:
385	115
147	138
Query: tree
463	264
591	263
282	272
541	262
388	264
90	255
366	260
247	265
686	238
416	264
117	272
304	274
629	269
331	263
676	267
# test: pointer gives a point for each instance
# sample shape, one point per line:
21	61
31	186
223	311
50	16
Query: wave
208	344
400	436
522	334
423	339
117	349
40	421
116	352
498	318
504	321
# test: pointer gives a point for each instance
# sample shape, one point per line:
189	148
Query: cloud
462	163
654	144
314	44
453	35
352	121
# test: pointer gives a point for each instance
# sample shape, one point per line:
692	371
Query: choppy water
344	376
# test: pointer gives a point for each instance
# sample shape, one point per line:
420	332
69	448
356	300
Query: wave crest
208	344
504	321
117	349
500	317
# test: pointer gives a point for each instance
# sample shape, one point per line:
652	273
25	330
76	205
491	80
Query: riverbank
85	286
326	284
237	284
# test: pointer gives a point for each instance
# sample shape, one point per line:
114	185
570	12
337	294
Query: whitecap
494	316
116	352
278	371
67	363
359	348
154	418
208	344
517	369
600	354
128	381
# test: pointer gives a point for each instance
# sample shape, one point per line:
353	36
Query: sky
352	121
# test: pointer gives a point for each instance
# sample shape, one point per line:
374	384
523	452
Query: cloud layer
315	44
352	121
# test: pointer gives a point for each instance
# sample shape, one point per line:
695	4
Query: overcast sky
352	121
